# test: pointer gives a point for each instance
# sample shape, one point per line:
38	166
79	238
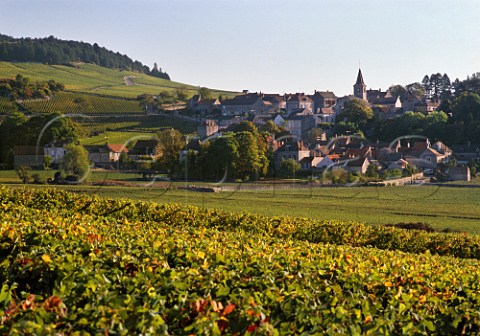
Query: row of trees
437	86
22	88
457	122
156	103
55	51
242	154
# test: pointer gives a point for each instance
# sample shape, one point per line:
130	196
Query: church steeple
360	88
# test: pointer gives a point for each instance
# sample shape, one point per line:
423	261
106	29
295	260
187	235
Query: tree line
245	153
51	50
22	88
60	129
456	121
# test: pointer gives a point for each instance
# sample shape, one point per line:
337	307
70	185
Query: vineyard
135	123
77	264
96	80
6	105
80	103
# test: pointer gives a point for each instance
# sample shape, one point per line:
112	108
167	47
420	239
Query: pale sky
273	46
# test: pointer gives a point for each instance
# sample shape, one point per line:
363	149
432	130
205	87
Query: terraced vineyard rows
75	263
135	123
6	105
67	102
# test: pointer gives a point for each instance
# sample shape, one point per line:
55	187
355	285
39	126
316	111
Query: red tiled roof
117	148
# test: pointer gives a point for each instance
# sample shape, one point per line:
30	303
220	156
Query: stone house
295	150
104	155
207	128
328	161
250	103
299	125
56	151
204	106
298	101
359	165
322	100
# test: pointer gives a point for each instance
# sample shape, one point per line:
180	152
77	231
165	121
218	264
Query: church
383	103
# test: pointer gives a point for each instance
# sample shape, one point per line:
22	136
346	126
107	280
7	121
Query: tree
356	111
23	173
315	134
246	126
170	143
289	167
434	125
9	131
47	161
248	162
220	156
398	91
346	128
371	171
181	94
270	127
415	89
205	93
61	129
75	161
466	107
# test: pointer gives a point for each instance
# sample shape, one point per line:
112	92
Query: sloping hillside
93	79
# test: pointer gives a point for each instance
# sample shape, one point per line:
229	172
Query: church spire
360	78
360	88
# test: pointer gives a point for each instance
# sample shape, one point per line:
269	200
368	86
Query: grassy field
116	137
89	78
441	207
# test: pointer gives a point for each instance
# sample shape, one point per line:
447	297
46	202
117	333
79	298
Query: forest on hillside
51	50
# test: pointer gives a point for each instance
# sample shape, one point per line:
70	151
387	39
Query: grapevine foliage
79	264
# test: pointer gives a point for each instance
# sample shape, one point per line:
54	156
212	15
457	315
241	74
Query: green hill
93	79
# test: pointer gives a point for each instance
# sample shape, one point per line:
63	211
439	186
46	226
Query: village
308	139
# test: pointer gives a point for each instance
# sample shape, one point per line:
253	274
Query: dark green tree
356	111
248	163
75	162
170	143
289	167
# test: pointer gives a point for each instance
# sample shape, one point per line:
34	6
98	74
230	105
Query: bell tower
359	88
